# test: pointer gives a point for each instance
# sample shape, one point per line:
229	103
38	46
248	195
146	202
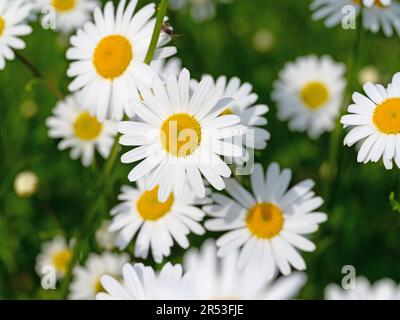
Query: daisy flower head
385	289
157	225
13	25
108	58
309	93
269	225
86	283
69	14
55	254
80	131
244	105
180	136
143	283
221	279
377	14
374	121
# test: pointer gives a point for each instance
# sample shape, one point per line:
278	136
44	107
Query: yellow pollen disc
180	134
150	208
98	287
112	56
227	112
2	26
87	127
378	3
387	116
64	5
314	94
62	259
265	220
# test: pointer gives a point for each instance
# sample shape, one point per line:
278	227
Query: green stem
162	10
103	185
336	134
38	74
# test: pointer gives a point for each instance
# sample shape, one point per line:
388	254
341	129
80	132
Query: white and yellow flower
180	136
80	131
374	120
220	278
270	225
309	94
86	283
377	14
385	289
108	58
69	14
142	283
57	254
157	225
13	25
244	105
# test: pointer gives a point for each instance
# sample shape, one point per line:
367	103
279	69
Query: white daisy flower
86	283
269	226
166	67
13	25
55	254
142	283
221	279
69	14
374	120
243	105
180	137
377	14
108	58
80	131
156	224
309	93
385	289
105	238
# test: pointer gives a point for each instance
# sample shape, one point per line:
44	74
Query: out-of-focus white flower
104	237
26	184
86	283
143	283
309	94
385	289
56	253
13	16
220	278
368	74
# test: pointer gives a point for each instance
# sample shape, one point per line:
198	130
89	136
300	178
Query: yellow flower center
227	112
314	94
387	116
62	259
87	127
180	134
378	3
150	208
112	56
265	220
2	26
64	5
98	287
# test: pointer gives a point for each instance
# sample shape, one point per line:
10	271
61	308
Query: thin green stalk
38	74
162	10
336	134
104	185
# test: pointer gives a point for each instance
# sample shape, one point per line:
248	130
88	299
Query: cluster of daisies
186	139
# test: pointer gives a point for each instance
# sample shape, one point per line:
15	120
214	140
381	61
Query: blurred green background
249	39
